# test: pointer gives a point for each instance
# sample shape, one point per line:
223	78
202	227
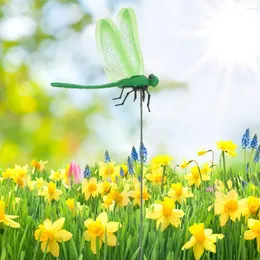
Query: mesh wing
130	40
115	60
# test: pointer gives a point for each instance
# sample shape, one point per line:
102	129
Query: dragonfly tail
68	85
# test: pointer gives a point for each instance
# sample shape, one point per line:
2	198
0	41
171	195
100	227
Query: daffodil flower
165	214
202	239
7	219
136	193
90	188
249	206
227	206
40	166
50	192
179	193
161	160
102	230
254	232
228	147
50	233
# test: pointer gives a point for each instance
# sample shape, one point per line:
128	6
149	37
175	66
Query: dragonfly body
122	57
138	81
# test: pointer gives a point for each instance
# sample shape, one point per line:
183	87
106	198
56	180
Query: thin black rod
141	174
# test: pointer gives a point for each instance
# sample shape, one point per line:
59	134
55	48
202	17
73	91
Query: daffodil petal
224	219
43	247
192	242
209	245
112	227
62	235
198	251
110	238
249	235
163	222
47	224
155	213
251	222
11	223
232	195
54	248
58	224
87	222
103	218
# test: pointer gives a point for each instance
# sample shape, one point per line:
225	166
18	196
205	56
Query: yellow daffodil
39	166
31	185
202	239
228	147
193	178
7	219
104	187
40	182
108	203
249	206
20	175
179	193
184	165
227	206
161	160
156	175
205	172
220	186
9	173
121	199
254	232
102	230
107	171
165	214
229	184
57	175
73	205
50	233
202	152
136	193
50	192
90	188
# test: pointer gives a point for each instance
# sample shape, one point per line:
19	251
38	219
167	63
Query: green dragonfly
122	57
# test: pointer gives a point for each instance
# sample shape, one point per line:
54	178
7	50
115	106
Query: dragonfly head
153	80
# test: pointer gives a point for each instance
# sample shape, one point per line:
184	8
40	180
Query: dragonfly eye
153	80
151	76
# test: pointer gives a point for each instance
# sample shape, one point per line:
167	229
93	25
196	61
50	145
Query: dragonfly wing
115	60
129	34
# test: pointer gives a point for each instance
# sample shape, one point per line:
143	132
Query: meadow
191	210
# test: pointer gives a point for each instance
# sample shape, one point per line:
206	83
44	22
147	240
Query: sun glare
231	35
234	33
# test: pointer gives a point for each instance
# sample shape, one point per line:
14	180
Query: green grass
33	210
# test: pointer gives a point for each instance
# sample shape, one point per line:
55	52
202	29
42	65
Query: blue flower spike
143	152
245	139
87	172
254	142
107	158
130	166
134	155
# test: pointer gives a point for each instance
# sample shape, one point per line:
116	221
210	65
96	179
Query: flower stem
164	169
245	160
224	168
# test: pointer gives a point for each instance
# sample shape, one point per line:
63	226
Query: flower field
191	210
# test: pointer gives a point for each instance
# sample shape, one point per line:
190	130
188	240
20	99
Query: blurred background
206	54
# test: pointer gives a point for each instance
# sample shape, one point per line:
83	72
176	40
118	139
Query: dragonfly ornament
122	58
123	64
